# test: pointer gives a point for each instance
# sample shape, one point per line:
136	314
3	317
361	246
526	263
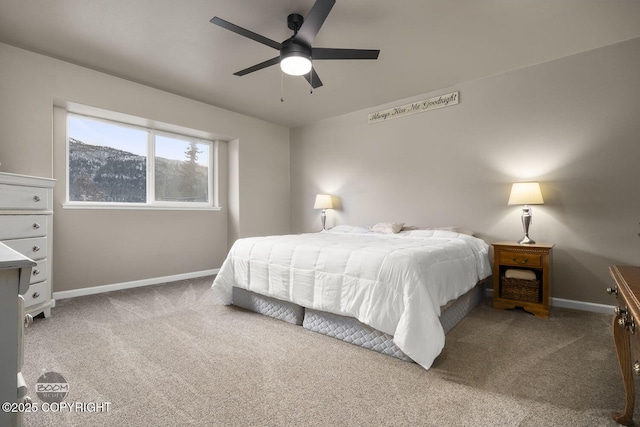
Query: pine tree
189	184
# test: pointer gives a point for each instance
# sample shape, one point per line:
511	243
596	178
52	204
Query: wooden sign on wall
415	107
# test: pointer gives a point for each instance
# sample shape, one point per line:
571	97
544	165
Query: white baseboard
576	305
134	284
582	305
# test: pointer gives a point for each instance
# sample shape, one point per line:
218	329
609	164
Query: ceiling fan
297	53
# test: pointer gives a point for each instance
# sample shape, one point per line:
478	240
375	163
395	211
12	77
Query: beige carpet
172	355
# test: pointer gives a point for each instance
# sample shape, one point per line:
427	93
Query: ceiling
425	45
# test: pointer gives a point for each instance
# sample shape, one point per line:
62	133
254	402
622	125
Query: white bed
393	283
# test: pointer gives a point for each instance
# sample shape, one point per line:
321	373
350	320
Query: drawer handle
36	225
36	198
628	323
522	261
28	320
36	272
35	295
612	291
636	368
621	311
36	248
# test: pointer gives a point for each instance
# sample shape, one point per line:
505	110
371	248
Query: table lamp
323	201
526	193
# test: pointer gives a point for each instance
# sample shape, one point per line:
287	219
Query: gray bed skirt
278	309
349	329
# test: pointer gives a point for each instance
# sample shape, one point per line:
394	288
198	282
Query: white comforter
395	283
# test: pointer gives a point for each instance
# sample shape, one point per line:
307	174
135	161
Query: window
182	172
113	164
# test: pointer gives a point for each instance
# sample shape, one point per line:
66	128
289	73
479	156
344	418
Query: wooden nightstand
535	258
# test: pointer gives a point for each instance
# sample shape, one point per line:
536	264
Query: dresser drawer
19	197
21	226
520	259
37	294
34	248
39	273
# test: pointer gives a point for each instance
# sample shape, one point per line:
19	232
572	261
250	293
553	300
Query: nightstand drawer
520	259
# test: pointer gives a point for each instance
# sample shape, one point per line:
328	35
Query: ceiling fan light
295	65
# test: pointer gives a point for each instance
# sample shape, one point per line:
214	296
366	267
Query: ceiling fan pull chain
281	87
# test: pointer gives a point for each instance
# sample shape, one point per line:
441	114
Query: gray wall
572	124
100	247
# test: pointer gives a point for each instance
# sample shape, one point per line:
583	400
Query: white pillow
454	229
457	230
387	227
348	229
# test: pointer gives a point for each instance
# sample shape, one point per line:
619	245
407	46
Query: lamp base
526	241
526	221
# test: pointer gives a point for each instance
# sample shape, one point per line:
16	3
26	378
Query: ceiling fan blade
329	53
314	21
313	79
246	33
260	66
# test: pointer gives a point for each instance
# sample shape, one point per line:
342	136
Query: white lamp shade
323	201
295	65
525	193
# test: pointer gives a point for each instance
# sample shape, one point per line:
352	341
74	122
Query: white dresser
15	274
26	225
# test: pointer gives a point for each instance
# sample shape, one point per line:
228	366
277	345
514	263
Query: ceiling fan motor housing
292	47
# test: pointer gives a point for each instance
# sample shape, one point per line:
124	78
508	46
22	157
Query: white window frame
151	202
